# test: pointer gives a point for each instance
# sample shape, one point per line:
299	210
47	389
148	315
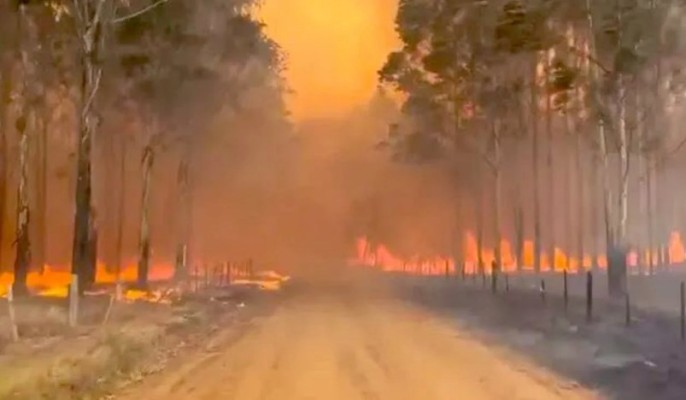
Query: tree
184	71
579	67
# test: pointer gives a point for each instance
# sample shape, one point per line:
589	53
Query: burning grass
54	281
381	257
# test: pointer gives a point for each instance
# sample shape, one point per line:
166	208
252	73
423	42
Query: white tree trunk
552	237
623	199
24	125
580	197
535	167
89	16
496	196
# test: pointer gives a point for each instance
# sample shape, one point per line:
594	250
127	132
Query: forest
111	115
549	131
560	122
476	198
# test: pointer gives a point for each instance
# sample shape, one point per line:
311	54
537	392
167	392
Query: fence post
74	301
589	296
683	313
13	316
566	290
542	289
507	282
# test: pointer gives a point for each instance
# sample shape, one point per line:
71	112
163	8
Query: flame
379	256
54	281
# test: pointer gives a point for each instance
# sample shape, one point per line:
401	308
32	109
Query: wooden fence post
566	289
683	312
589	296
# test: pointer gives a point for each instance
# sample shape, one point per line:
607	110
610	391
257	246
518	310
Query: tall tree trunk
24	123
569	157
519	234
89	15
617	253
580	175
650	215
642	171
10	39
5	102
551	168
597	225
602	141
623	199
606	192
39	253
580	197
534	157
121	210
144	243
479	233
23	244
184	210
496	197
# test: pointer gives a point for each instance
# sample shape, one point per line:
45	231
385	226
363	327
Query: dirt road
341	347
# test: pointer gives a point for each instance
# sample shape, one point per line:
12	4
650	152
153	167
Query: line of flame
379	256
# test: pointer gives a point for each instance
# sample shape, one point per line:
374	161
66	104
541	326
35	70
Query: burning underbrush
50	311
122	332
379	256
54	282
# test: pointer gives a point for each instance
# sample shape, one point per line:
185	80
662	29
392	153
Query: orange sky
334	49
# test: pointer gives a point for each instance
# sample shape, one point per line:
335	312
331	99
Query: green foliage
462	57
195	58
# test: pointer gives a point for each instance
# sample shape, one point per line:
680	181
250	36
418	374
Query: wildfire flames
379	256
55	281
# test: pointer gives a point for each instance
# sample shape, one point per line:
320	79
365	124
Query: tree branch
139	12
91	95
581	53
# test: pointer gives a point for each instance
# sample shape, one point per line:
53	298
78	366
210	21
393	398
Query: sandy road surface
340	347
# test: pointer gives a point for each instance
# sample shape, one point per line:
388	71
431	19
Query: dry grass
91	362
79	368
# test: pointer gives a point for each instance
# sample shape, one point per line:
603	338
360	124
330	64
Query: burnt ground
644	360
